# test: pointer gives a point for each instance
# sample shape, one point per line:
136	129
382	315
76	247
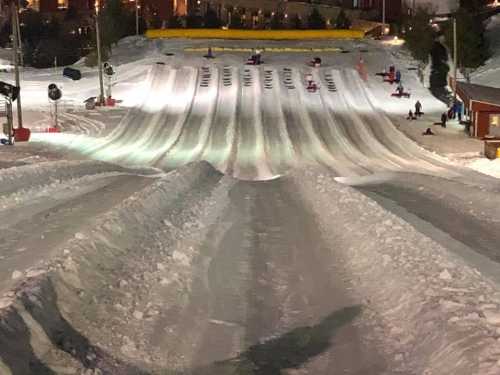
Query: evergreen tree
439	67
174	22
236	20
473	47
296	22
473	5
420	35
111	22
342	21
212	21
32	28
316	20
277	21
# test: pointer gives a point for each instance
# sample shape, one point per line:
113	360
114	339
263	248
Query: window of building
62	4
495	120
34	4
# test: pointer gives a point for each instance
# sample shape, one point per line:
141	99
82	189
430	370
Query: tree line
64	39
434	42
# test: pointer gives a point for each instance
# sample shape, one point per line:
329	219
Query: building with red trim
482	107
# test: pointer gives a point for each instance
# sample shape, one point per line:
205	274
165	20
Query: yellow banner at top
254	34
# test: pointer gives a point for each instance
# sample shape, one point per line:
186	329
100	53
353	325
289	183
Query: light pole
99	59
137	6
455	58
15	23
20	42
383	17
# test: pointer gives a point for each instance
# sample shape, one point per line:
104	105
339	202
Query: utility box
492	148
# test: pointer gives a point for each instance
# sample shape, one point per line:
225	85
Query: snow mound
486	166
124	252
433	311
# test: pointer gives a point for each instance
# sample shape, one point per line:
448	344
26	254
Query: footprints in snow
287	79
227	78
206	76
330	83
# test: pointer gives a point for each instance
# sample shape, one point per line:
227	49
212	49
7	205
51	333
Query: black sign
54	92
9	91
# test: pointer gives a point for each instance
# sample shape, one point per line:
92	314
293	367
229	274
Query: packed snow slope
144	258
256	123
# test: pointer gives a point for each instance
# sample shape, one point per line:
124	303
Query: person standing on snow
444	117
257	56
398	76
418	109
309	79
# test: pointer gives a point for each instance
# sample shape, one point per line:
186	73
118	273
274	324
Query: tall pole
455	58
137	17
383	17
99	59
15	49
20	42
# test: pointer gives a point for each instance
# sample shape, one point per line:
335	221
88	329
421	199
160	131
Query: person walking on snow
418	109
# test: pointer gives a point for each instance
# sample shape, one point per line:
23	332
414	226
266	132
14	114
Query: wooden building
482	107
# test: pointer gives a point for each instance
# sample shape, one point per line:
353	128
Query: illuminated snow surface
341	246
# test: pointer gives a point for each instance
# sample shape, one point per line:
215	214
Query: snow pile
486	166
24	178
434	312
97	285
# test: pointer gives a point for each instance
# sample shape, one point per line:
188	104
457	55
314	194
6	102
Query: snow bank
486	166
435	314
18	179
55	319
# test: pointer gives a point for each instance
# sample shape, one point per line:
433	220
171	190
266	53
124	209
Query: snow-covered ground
489	74
148	260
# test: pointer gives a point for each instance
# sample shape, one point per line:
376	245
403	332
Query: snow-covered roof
480	93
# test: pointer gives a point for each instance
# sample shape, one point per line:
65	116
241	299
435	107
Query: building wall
481	117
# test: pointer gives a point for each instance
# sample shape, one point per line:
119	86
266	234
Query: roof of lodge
480	93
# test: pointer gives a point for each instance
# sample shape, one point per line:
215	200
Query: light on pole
99	59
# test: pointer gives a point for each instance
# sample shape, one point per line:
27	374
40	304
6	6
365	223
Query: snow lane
195	131
301	138
278	146
315	144
258	282
351	132
219	146
363	131
251	159
38	228
384	130
256	123
319	109
171	118
138	128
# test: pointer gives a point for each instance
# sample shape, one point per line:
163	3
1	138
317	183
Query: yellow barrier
254	34
264	49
